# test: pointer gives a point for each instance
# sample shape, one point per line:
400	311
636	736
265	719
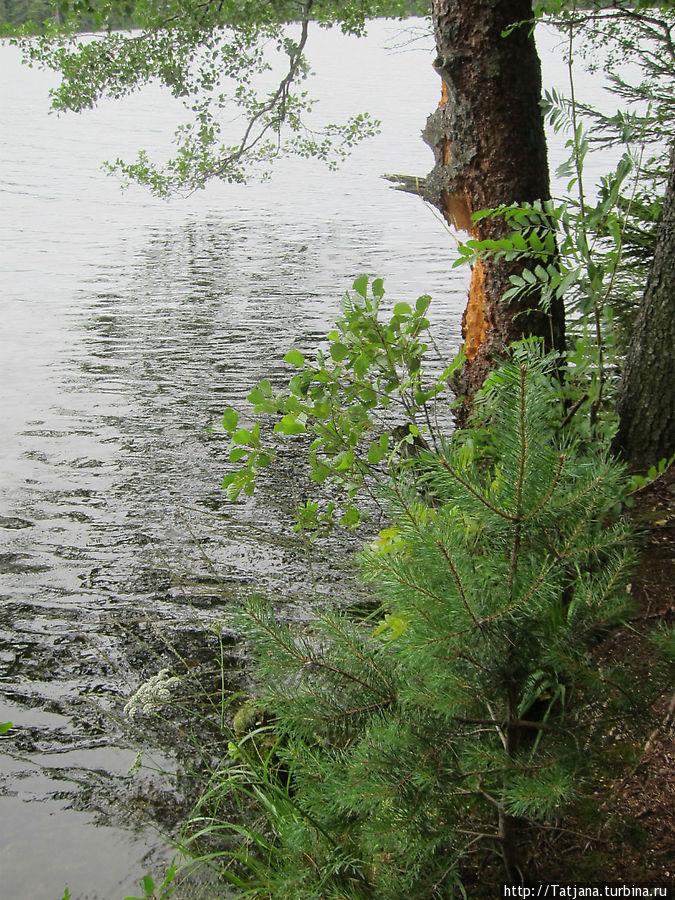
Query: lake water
128	325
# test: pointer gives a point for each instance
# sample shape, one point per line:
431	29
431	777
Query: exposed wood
489	146
411	184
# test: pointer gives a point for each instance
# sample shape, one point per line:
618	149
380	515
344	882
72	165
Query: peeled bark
647	398
488	140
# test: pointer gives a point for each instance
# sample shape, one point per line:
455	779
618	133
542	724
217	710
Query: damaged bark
489	145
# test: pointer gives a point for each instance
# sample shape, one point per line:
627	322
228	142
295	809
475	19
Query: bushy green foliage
366	402
468	705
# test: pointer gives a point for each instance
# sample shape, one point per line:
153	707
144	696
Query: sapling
469	706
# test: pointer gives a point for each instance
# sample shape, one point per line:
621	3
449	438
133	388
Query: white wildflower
152	695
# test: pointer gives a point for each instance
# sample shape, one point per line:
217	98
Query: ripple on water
130	325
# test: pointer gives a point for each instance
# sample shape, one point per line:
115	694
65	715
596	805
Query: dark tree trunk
488	139
647	399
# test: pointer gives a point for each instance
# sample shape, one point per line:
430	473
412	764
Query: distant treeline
20	12
37	12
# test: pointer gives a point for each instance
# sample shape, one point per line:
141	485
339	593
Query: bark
647	397
488	140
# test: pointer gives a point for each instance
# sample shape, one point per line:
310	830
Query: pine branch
546	499
475	493
516	723
310	659
522	437
514	557
458	581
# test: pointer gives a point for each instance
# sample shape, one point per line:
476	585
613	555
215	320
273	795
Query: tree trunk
647	398
488	140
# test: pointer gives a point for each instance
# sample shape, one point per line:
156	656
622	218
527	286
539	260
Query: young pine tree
471	709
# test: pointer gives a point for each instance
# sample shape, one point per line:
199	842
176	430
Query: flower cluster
152	694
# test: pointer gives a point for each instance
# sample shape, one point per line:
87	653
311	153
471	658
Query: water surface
129	324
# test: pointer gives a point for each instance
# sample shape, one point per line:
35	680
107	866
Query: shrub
469	706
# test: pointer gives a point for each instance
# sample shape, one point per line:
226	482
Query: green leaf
230	419
322	411
375	453
361	365
402	309
351	518
148	884
664	638
256	396
267	406
298	385
294	358
343	461
243	436
369	396
392	626
378	288
422	303
233	490
4	727
511	293
536	242
568	280
338	351
361	286
319	473
289	425
237	453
